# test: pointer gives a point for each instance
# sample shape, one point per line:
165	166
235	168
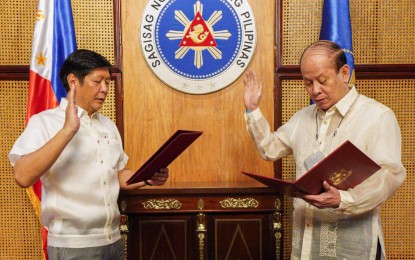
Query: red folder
344	168
166	154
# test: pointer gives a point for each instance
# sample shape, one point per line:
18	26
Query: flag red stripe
45	242
37	188
41	95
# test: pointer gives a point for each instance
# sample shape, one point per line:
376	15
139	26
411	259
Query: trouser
378	251
108	252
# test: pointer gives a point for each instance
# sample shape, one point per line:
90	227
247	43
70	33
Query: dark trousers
378	251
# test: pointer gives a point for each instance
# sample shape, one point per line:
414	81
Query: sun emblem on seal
198	35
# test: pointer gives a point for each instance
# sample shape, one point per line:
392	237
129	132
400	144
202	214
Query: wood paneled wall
153	110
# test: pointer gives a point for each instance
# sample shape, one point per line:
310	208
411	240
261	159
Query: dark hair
81	62
332	50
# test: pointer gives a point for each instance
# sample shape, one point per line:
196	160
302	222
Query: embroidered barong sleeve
384	147
270	145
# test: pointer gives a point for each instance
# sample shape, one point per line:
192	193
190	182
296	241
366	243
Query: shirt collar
345	103
64	103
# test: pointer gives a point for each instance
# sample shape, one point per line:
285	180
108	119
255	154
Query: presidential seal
198	46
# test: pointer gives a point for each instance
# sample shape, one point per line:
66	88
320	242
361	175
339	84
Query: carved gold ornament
200	204
123	205
239	203
162	204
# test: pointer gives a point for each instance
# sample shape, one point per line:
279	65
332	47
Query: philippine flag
53	40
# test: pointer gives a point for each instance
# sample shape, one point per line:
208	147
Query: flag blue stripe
63	43
336	27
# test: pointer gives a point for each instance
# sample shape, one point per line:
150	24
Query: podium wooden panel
202	223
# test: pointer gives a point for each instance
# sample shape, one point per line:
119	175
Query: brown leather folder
344	168
166	154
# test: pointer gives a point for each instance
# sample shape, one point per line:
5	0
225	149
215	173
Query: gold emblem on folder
340	176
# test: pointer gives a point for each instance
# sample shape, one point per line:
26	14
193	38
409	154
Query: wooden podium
202	223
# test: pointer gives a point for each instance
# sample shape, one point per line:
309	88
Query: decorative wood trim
277	81
14	72
160	204
201	231
124	229
117	36
276	221
363	71
385	71
125	245
119	102
191	190
278	33
116	69
288	72
235	203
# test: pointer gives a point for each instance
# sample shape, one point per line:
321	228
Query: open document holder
166	154
344	168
